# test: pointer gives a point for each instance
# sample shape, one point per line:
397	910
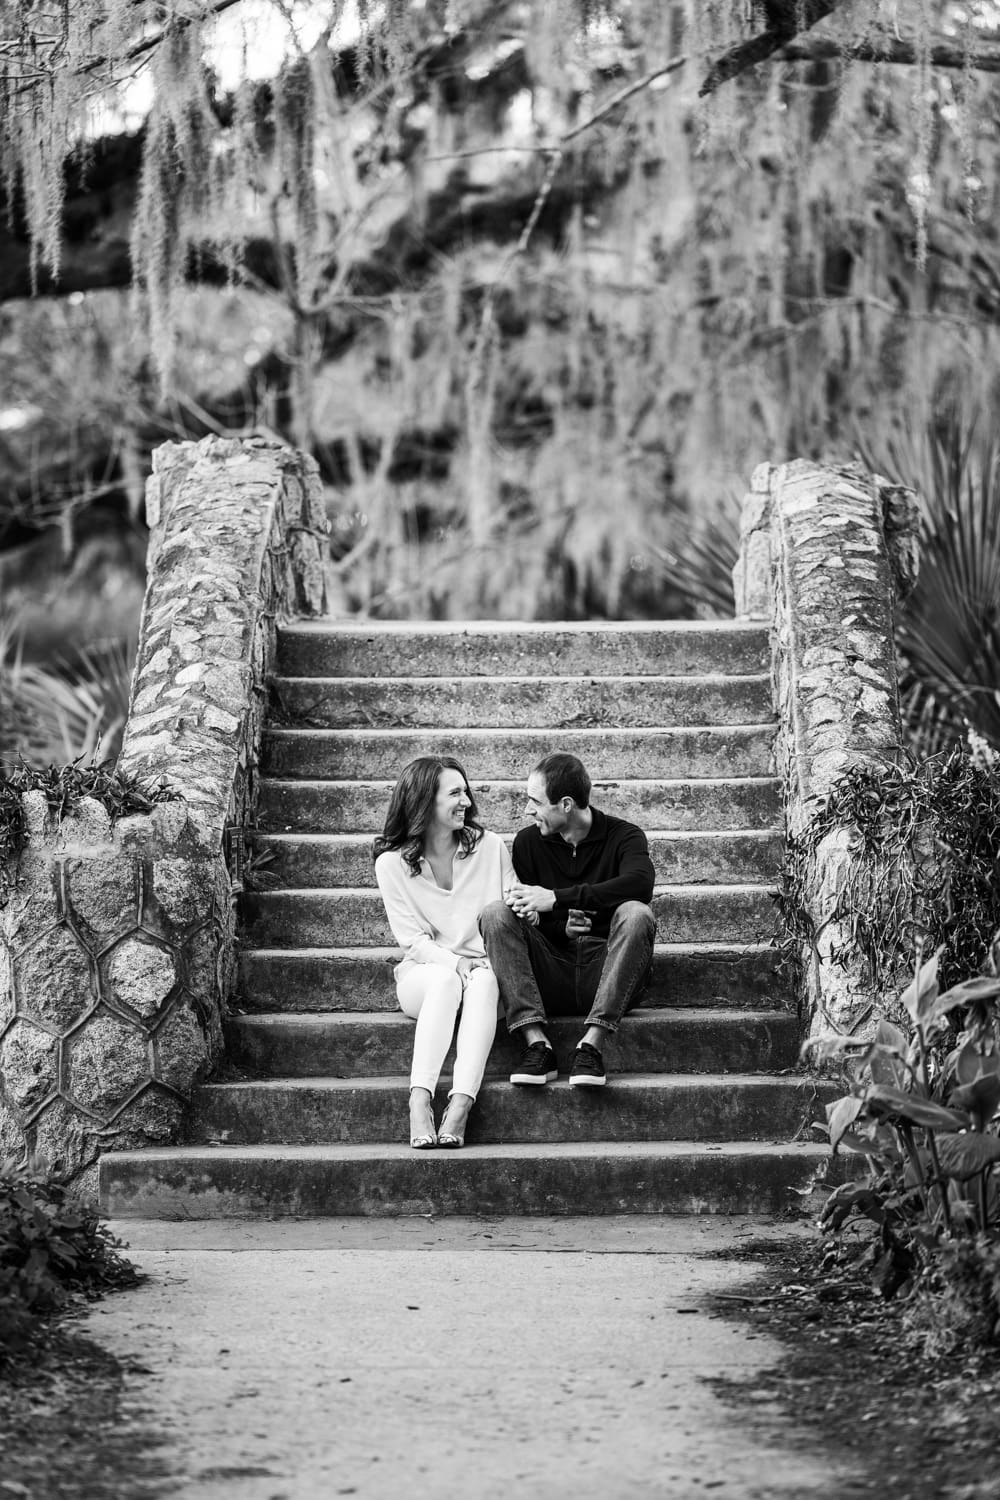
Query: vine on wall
925	841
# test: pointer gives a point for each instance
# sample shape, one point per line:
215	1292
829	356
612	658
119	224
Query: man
575	933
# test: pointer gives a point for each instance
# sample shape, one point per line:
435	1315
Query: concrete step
356	918
591	1177
326	980
631	1107
568	703
369	1044
485	648
345	859
699	804
719	750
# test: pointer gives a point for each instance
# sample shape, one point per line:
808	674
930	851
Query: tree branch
786	19
610	105
783	40
137	50
943	54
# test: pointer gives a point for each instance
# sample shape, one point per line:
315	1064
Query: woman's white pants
432	995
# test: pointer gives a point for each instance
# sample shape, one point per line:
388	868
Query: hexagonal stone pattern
153	1116
60	1135
180	1049
102	893
53	979
184	889
108	1061
141	974
28	1065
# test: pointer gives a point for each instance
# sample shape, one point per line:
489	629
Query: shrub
956	1305
51	1249
926	854
922	1110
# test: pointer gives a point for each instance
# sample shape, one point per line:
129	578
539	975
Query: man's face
550	817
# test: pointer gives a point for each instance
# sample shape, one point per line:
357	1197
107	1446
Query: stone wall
825	555
116	945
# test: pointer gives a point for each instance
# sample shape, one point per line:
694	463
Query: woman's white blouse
434	926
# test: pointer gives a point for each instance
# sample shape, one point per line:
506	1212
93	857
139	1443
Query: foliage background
559	425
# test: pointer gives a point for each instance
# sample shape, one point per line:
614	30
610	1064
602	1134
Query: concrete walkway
480	1358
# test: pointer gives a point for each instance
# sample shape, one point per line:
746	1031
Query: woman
437	868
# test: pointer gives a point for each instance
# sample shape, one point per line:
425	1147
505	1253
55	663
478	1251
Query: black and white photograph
499	749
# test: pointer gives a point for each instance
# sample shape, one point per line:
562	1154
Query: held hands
529	901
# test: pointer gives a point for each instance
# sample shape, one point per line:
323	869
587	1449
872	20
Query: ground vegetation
62	1425
905	1420
925	1216
52	1249
917	1210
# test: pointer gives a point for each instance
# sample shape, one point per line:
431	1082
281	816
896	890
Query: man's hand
578	923
526	900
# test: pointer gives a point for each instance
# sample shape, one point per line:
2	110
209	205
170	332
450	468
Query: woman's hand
465	966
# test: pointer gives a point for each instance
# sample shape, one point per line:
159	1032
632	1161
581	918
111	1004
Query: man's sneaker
588	1068
538	1065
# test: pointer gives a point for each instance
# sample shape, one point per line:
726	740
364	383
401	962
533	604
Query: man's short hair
565	776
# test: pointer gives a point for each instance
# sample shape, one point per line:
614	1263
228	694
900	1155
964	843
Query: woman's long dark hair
412	805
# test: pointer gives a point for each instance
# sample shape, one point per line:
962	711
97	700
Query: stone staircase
704	1110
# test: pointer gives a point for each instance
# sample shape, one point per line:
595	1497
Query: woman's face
452	800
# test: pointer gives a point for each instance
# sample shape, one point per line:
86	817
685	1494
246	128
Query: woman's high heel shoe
422	1134
452	1135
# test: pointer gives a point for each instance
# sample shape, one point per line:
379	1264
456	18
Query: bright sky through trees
248	41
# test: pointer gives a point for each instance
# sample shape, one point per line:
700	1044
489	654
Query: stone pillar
826	552
116	943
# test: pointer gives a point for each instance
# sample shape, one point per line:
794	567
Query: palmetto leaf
65	711
700	563
949	628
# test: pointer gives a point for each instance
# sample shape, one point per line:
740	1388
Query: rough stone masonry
825	554
116	945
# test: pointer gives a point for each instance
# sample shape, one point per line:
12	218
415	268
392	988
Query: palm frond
699	563
58	712
949	628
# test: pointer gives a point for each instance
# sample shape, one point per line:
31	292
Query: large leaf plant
921	1110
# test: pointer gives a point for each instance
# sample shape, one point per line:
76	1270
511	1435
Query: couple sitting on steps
562	927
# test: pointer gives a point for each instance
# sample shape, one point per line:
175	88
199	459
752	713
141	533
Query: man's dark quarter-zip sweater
611	865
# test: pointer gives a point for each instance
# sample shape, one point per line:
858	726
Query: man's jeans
599	979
